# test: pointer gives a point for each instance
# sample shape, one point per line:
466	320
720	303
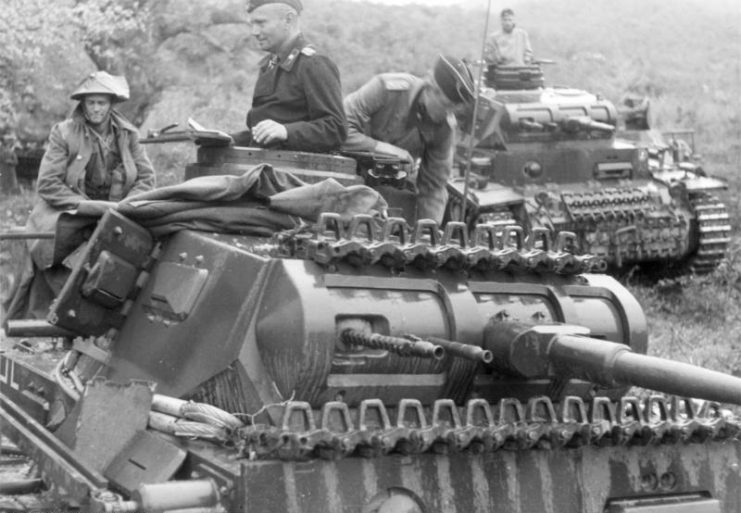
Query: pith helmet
100	82
454	79
254	4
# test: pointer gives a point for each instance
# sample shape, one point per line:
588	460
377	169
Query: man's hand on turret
269	131
389	149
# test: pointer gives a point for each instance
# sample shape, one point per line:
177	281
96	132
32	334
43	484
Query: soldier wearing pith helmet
95	154
297	101
411	118
92	161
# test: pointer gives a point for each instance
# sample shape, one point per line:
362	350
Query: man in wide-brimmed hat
93	160
95	154
412	118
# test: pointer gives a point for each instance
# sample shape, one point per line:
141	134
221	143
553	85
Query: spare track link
393	244
373	430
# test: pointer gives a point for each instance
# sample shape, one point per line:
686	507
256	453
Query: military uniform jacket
61	182
386	109
301	89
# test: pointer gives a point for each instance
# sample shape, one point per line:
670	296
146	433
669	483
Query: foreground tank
549	156
357	366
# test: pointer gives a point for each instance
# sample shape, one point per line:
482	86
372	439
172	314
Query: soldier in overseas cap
92	161
412	118
297	101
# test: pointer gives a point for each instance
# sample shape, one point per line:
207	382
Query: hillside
685	54
187	58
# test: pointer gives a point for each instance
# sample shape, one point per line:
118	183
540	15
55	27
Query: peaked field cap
454	79
254	4
101	82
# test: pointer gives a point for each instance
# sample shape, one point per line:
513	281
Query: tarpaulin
260	201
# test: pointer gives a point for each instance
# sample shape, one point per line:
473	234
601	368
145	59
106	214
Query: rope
185	428
199	412
265	407
202	412
61	376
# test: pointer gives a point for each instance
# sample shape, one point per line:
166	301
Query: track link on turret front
483	427
713	233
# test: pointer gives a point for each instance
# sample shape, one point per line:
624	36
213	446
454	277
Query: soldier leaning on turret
510	46
412	118
297	102
93	160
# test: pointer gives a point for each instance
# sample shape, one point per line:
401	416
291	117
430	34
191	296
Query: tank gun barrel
576	123
539	351
611	363
397	345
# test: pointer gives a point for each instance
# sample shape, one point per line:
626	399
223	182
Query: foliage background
186	58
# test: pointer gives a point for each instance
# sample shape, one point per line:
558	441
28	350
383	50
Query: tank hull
584	480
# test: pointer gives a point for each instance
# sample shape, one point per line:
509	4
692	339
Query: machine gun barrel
467	351
531	125
565	351
398	345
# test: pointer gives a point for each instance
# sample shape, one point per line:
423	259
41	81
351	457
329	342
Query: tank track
368	431
713	233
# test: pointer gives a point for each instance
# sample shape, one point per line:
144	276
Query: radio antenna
477	89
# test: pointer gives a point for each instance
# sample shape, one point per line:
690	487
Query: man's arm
145	176
434	172
360	108
51	185
527	52
327	126
492	55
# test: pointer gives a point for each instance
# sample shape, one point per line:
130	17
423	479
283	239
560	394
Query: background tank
549	156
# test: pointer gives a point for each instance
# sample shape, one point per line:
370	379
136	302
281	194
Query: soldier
92	161
95	154
297	102
511	46
412	118
8	163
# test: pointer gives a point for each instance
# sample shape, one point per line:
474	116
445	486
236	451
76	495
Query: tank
551	156
356	364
